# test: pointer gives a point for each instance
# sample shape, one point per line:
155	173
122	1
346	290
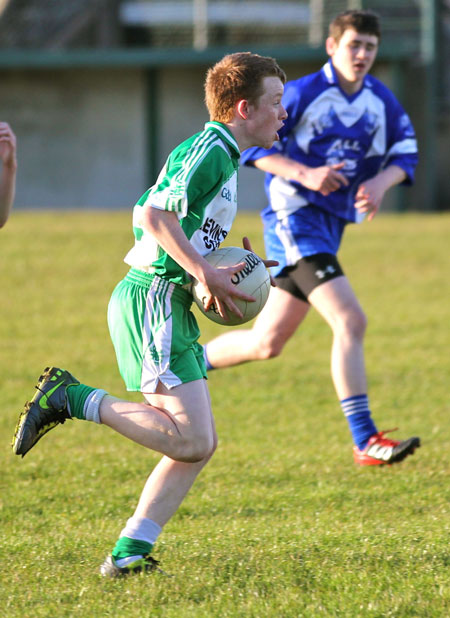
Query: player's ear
330	45
242	108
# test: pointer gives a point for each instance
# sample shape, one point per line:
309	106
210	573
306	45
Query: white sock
142	529
92	405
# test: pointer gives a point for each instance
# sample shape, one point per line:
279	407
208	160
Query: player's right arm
9	167
166	229
324	179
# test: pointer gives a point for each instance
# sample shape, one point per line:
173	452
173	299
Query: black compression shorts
309	272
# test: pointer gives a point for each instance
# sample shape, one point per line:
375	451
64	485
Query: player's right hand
324	179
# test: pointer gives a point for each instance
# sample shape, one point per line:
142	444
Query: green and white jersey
199	183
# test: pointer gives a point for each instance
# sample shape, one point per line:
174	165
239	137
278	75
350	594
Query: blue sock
209	367
357	413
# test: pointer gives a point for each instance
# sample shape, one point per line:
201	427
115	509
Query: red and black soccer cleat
383	451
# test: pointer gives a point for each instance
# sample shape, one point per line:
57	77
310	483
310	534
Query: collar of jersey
331	77
222	131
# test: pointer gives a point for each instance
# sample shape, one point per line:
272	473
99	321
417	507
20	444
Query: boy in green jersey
184	216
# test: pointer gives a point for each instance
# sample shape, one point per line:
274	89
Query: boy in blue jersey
346	141
155	334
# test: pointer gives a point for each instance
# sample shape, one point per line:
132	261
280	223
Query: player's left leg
336	301
168	483
171	480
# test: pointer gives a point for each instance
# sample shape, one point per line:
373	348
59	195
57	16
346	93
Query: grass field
280	523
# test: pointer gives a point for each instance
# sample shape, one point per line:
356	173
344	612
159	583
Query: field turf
280	523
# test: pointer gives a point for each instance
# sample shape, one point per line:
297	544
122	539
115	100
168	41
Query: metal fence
198	24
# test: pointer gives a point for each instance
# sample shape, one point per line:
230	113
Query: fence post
428	58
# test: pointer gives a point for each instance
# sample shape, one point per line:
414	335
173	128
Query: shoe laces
380	439
155	564
148	558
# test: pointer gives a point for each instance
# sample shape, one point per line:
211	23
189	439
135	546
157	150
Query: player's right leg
178	426
155	336
274	326
48	408
183	435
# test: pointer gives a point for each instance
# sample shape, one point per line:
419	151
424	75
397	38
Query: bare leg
174	424
183	417
273	327
170	481
338	305
166	487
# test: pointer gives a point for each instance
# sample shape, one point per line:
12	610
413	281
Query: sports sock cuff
92	405
126	547
141	529
355	404
76	398
357	413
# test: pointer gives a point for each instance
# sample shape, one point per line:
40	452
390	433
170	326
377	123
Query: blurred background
99	91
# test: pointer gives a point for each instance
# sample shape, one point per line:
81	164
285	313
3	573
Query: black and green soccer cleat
141	565
47	409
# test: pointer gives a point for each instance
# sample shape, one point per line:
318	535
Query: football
253	279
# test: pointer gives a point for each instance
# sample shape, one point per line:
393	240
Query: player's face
267	116
352	57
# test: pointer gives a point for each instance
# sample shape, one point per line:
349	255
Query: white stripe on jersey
407	145
226	135
196	153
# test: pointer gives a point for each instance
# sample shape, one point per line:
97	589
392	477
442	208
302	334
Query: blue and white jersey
367	131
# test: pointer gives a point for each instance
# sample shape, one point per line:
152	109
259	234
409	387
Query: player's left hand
369	196
7	144
267	263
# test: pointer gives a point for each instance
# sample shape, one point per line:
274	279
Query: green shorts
154	333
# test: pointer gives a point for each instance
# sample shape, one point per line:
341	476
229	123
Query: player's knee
196	448
353	324
359	324
269	347
211	450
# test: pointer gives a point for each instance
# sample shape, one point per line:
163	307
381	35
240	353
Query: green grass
280	523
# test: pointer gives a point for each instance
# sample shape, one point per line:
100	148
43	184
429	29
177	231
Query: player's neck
349	87
237	129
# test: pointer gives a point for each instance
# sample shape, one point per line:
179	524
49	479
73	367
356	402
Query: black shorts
309	272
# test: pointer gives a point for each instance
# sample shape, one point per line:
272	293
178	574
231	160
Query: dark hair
364	22
235	77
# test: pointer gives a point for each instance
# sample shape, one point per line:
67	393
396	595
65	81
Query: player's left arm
400	162
371	192
9	168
